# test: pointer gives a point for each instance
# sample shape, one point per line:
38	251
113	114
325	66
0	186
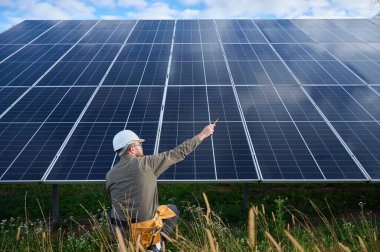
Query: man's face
137	149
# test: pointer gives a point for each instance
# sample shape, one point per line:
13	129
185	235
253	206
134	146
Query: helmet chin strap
121	153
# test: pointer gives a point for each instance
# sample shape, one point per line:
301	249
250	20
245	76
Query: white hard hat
124	138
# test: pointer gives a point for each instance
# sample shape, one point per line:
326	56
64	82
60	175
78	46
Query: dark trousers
168	227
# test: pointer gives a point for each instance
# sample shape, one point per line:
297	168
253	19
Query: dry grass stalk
101	247
263	209
256	210
252	228
273	241
139	247
163	246
273	217
120	240
210	240
317	249
18	234
288	227
375	236
176	232
167	237
294	241
208	209
343	247
293	220
362	244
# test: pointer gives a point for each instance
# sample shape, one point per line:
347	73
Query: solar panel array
297	100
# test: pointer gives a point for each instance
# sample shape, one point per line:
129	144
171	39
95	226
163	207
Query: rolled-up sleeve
162	161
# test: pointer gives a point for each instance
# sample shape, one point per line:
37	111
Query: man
132	186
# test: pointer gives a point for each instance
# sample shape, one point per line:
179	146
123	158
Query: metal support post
246	196
55	203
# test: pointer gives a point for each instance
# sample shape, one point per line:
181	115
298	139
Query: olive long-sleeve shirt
132	182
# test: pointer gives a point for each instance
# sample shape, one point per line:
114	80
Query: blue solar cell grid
296	100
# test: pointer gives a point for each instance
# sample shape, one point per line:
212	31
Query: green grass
330	213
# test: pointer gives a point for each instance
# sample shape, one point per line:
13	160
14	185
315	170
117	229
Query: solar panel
296	100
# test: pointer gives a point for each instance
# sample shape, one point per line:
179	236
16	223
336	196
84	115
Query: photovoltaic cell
89	52
367	70
353	51
70	73
7	50
187	73
8	96
332	158
13	137
232	155
248	73
187	36
348	24
35	158
232	36
222	104
121	104
186	104
337	104
187	52
278	36
216	73
297	104
281	152
134	52
125	73
209	36
299	36
368	99
22	74
310	72
292	52
89	154
239	52
38	105
363	139
227	24
32	53
254	36
155	73
212	52
160	52
278	73
371	35
340	73
261	103
264	52
197	166
25	32
268	24
317	52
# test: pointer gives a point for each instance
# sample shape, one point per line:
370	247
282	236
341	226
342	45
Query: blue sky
15	11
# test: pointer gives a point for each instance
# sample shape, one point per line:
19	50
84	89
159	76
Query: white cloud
111	17
160	10
154	11
132	3
35	9
289	9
